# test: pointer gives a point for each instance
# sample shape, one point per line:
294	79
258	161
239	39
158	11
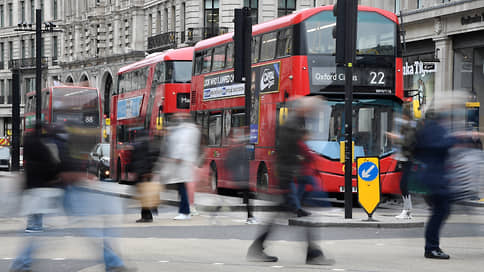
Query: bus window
284	43
207	61
45	100
198	63
229	62
319	35
218	58
30	104
255	49
215	130
376	35
268	46
159	76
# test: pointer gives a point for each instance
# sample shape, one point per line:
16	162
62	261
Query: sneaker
260	256
193	211
320	260
436	254
20	270
144	220
404	215
33	230
121	269
182	216
251	221
302	213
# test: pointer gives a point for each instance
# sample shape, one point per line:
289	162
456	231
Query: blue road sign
368	171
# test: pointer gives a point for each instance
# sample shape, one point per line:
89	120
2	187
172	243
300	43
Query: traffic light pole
15	120
38	70
242	48
346	12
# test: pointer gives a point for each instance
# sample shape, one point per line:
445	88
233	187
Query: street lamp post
49	27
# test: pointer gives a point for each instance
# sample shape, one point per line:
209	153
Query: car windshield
4	153
372	119
105	150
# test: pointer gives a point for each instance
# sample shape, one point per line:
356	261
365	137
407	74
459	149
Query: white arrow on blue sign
368	171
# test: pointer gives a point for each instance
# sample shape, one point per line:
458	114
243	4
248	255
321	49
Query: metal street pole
38	70
351	13
15	120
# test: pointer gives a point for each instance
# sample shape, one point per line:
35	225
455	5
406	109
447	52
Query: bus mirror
282	115
342	152
417	113
159	123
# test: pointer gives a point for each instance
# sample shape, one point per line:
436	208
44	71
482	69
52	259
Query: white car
5	158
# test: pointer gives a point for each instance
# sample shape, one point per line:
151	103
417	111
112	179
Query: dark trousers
406	166
440	211
146	213
184	204
249	207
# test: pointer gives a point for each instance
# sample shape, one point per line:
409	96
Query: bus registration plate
354	189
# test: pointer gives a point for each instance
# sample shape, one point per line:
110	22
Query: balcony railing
26	63
162	41
196	34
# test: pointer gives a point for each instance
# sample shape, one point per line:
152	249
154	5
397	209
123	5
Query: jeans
297	193
81	203
184	204
440	211
34	222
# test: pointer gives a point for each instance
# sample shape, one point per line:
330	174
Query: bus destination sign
221	86
380	78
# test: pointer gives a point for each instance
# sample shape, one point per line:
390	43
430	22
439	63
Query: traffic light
346	12
242	43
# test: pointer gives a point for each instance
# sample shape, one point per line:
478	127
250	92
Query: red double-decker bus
148	92
69	105
295	56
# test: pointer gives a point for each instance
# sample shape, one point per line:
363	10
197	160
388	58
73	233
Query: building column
137	35
116	33
48	16
77	41
445	74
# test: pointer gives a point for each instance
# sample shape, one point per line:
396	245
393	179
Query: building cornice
90	62
445	9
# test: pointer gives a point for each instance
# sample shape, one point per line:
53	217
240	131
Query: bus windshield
372	119
76	105
173	72
376	34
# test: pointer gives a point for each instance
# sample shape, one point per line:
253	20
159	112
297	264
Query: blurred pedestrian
237	164
181	155
41	195
433	141
307	178
405	139
145	151
80	203
290	165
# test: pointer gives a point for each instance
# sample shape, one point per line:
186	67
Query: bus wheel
213	177
262	178
118	172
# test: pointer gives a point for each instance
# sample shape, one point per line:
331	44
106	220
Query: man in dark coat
433	142
144	154
290	166
41	169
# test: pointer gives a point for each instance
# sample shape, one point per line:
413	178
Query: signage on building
418	68
466	20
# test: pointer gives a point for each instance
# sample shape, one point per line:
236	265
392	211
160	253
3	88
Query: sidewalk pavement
213	202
